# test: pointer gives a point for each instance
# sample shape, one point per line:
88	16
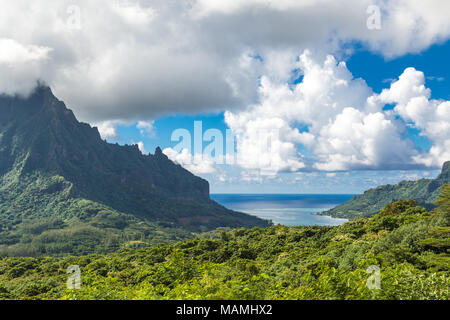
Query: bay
286	209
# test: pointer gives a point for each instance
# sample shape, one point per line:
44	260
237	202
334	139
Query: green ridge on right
424	191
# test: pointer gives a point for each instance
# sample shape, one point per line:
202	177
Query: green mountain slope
424	191
65	190
409	245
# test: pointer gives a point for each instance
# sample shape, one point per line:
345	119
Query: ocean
286	209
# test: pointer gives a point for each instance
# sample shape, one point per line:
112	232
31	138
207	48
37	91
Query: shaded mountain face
424	191
40	133
49	161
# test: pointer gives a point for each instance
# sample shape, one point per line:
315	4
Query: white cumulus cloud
133	60
198	164
20	66
141	147
107	129
430	116
340	123
146	128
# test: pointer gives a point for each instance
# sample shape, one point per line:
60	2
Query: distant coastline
286	209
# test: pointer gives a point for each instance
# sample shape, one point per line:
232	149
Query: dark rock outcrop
39	134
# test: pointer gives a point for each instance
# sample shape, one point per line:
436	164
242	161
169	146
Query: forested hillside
424	191
64	190
409	245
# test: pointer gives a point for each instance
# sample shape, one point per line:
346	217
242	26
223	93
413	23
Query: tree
444	199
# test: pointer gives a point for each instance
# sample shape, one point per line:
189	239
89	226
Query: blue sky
376	70
318	98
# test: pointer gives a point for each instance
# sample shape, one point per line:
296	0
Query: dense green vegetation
133	223
424	191
63	190
34	221
409	244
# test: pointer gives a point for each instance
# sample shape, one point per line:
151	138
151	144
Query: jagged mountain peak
40	136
